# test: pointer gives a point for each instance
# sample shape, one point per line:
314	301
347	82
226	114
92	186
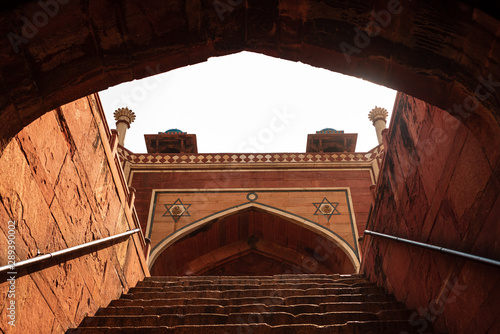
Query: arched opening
252	241
442	52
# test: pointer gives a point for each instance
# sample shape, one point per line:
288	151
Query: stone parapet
248	158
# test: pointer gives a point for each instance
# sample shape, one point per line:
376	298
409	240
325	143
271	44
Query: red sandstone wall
57	183
439	185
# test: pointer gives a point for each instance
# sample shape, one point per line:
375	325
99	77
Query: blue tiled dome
329	130
171	131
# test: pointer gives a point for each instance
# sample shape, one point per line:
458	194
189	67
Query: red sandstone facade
215	189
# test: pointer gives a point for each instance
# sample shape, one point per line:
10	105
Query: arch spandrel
329	209
326	213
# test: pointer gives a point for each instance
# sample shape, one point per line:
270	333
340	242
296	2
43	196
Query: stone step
247	304
270	318
380	297
366	327
291	279
283	276
199	286
143	292
372	307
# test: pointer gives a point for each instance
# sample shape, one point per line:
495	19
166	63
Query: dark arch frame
88	46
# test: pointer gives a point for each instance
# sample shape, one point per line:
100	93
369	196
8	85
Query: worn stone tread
266	304
259	307
249	300
271	318
366	327
144	293
189	285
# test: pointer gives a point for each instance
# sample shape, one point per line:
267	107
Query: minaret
124	117
378	116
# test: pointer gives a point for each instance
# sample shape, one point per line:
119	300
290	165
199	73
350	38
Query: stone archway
252	241
53	54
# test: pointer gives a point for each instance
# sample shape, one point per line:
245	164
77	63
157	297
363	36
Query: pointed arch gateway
253	239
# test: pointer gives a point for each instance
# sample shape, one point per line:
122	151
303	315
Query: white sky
248	102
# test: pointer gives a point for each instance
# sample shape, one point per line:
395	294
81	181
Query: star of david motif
176	210
326	208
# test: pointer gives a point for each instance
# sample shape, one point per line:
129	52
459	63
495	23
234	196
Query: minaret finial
378	116
124	117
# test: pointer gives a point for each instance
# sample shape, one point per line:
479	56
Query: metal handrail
44	257
437	248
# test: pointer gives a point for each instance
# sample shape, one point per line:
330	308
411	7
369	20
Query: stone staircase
258	304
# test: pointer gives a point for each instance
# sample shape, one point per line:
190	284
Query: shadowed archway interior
252	242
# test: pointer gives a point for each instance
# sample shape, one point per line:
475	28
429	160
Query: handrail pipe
436	248
45	257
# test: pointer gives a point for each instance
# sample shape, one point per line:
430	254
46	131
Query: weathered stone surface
73	203
45	136
110	278
447	197
51	193
31	308
25	202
